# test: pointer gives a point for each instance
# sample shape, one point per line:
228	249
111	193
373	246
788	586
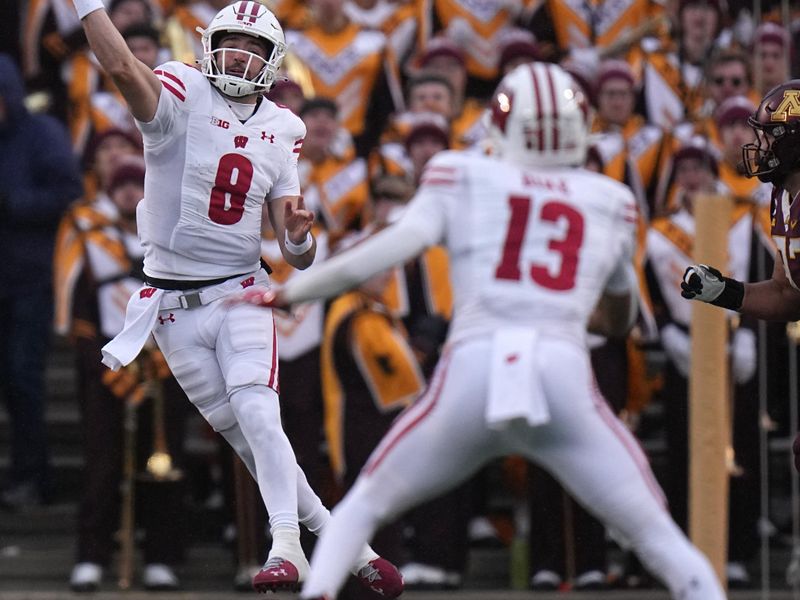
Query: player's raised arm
138	84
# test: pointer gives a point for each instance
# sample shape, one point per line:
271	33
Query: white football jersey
208	176
532	247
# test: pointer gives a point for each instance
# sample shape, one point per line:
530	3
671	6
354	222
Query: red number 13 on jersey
567	247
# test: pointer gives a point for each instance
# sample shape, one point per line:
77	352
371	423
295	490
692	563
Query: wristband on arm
302	248
732	294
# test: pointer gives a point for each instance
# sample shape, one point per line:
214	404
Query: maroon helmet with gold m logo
776	122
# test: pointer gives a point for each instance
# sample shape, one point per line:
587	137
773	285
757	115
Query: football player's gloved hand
707	284
796	452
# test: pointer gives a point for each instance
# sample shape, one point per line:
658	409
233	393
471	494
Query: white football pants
225	359
443	439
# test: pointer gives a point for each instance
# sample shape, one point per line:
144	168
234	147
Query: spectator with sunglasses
728	74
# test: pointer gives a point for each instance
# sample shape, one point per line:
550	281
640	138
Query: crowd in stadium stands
382	85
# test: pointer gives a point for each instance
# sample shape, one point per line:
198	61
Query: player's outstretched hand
298	221
259	296
701	282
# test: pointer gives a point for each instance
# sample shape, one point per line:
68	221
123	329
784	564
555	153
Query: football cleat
277	574
382	577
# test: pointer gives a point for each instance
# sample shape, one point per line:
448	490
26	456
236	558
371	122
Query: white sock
258	414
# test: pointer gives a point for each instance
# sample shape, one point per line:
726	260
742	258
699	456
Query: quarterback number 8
567	246
230	185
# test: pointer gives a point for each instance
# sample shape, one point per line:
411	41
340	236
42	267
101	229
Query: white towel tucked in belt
515	389
140	318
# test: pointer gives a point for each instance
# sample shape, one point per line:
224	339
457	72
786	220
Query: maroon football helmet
776	122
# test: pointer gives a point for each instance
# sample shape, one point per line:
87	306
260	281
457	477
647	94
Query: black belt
183	284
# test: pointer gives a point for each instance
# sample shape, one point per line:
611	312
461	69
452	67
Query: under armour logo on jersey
246	283
220	123
169	319
247	12
147	293
270	137
240	141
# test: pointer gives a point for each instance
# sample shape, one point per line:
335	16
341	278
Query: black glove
796	452
707	284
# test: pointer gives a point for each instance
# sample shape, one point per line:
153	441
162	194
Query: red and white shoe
382	577
277	574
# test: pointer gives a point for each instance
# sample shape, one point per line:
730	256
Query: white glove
701	282
743	351
678	347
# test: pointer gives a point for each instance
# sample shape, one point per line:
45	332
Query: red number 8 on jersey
224	185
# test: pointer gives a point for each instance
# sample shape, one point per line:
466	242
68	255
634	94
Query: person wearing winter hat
615	92
630	147
445	58
517	49
103	152
772	55
288	93
731	120
425	139
338	208
126	189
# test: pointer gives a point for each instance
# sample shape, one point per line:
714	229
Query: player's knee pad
249	342
221	418
253	367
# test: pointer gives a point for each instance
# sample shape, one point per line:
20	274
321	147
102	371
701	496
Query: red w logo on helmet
247	10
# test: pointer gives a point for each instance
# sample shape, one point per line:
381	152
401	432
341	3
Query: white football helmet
539	116
251	18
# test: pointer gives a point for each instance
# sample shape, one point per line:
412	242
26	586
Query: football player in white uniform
536	243
219	155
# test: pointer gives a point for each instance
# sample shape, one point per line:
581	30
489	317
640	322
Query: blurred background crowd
382	85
